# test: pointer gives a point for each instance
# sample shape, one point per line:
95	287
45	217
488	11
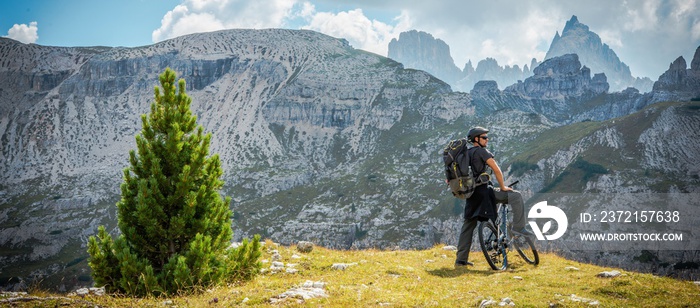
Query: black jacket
481	205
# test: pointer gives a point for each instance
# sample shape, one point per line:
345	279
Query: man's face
483	140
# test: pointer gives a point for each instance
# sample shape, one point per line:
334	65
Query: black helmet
476	131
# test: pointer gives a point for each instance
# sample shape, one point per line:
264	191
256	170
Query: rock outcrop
680	81
485	88
420	50
593	53
560	77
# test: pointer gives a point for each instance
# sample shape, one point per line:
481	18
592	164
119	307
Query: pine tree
175	226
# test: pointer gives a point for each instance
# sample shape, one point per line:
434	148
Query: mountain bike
496	241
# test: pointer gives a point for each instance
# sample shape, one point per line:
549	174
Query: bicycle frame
502	230
496	241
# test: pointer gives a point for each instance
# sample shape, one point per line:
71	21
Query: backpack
458	169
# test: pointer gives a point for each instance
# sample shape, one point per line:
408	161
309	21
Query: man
482	204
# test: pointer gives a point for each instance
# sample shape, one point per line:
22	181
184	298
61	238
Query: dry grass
419	278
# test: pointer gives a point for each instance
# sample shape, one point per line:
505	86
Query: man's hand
506	188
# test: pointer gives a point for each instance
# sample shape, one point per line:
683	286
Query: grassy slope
626	159
424	278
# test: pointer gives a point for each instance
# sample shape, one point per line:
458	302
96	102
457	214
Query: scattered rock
487	302
571	268
276	255
308	290
506	302
341	266
490	302
245	300
296	256
609	274
589	301
305	246
276	267
291	271
517	278
82	292
167	303
450	248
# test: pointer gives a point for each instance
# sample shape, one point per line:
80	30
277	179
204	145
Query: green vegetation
176	228
519	168
555	139
573	178
419	278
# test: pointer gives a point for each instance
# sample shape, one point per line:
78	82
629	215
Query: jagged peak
557	36
678	64
573	24
695	63
578	38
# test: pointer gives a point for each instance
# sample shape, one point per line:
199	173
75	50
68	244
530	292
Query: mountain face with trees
317	141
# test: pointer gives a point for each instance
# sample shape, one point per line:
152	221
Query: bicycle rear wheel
526	249
490	245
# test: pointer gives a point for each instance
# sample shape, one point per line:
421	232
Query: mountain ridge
576	38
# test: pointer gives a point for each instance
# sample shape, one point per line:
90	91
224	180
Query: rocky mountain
318	141
561	76
599	57
420	50
679	80
489	69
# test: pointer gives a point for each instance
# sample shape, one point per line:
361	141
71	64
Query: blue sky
646	34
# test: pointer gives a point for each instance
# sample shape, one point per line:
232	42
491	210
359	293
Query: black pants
465	240
514	199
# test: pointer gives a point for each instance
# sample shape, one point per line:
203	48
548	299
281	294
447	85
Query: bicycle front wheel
491	246
526	249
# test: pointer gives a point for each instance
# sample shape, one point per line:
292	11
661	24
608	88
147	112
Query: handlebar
514	183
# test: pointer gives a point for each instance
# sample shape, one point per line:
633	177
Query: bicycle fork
503	234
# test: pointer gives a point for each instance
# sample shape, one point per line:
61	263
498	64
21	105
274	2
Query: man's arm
499	175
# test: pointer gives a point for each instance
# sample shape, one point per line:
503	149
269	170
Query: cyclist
481	205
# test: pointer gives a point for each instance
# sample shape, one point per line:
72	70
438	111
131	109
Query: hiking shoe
522	232
460	264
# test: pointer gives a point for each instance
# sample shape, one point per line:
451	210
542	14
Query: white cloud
23	33
361	32
642	17
210	15
611	37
